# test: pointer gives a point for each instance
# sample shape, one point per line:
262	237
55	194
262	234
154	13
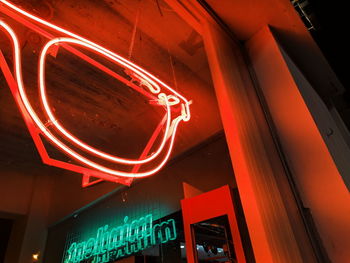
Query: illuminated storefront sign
176	106
113	242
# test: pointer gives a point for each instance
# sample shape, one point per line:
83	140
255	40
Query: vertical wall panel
311	164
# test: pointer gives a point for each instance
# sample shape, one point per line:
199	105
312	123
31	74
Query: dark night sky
332	35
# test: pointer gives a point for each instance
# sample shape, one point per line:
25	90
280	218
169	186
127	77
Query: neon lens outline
146	79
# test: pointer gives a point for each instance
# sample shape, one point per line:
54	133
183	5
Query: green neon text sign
111	243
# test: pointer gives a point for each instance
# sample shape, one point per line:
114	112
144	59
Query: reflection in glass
214	241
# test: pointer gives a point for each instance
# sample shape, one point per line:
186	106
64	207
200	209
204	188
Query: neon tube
144	78
61	145
114	242
141	72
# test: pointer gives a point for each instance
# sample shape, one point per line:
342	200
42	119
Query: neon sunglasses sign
112	243
140	80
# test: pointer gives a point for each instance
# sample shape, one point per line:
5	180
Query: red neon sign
147	84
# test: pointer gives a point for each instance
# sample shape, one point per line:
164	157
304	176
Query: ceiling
95	107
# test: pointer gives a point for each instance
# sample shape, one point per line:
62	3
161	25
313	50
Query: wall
206	167
16	189
39	196
314	159
196	167
25	199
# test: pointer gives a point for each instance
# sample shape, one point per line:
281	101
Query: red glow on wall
141	80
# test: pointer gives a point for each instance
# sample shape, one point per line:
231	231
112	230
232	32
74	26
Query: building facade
259	173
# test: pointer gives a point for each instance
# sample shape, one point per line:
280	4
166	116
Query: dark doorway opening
5	232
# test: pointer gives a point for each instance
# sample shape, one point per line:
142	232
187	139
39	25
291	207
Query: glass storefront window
213	241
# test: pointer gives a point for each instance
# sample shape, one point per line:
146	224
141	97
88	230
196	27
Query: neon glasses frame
148	85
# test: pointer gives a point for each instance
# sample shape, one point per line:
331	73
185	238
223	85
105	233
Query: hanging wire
159	9
133	37
132	42
163	7
168	49
172	67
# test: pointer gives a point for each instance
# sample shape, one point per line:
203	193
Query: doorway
5	232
